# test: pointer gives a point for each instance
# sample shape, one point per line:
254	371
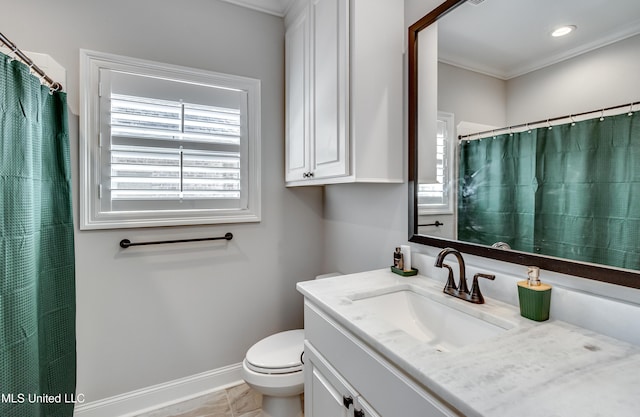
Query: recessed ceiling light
564	30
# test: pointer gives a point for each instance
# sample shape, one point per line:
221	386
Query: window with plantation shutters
167	151
169	145
437	197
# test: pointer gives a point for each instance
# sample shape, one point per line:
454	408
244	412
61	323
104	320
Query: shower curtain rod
548	121
54	85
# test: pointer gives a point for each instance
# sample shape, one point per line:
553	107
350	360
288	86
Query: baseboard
162	395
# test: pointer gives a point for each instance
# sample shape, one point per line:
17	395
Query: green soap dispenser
535	297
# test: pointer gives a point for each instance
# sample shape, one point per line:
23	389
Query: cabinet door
326	394
297	93
330	98
364	409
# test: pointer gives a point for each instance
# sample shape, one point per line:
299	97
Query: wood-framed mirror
441	46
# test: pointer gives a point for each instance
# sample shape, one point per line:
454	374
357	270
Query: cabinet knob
347	401
358	413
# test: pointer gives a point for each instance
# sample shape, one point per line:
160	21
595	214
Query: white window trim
448	207
90	216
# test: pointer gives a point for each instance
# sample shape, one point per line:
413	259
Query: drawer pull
347	401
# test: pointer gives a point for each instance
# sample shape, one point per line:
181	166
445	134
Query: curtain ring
32	72
573	122
13	51
602	115
630	110
54	87
549	125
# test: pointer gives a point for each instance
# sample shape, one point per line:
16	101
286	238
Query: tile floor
237	401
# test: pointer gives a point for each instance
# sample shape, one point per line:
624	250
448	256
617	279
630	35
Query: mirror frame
611	275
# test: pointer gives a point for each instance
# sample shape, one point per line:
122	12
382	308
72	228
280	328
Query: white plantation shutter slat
179	149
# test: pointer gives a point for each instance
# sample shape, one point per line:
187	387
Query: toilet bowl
273	367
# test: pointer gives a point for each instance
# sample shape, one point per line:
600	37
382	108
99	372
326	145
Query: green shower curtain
37	287
572	191
497	191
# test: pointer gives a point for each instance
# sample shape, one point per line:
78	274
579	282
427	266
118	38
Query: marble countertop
533	369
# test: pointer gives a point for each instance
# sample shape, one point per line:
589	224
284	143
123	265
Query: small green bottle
535	297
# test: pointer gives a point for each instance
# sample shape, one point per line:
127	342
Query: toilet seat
277	354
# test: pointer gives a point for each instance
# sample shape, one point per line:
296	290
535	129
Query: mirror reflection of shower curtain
496	199
585	191
37	287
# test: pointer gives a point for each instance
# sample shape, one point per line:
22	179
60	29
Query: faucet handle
451	286
476	296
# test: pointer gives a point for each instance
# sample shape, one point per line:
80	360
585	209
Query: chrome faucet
461	291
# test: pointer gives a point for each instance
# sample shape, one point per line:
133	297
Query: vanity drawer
390	391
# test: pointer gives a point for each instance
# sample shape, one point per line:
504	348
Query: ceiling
275	7
508	38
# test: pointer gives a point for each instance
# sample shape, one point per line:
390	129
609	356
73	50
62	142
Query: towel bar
125	243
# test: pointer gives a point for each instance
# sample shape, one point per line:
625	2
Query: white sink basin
426	317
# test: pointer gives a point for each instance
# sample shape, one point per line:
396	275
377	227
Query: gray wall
604	77
471	96
363	224
153	314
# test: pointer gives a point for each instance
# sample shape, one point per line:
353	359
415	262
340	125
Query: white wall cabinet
298	90
343	70
339	366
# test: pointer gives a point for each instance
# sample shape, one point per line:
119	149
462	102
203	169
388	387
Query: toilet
273	367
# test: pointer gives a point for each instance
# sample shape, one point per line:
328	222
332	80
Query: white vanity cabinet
343	81
327	394
339	367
